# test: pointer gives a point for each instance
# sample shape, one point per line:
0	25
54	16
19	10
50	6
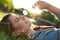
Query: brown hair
6	24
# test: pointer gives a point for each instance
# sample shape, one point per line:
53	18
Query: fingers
39	4
34	6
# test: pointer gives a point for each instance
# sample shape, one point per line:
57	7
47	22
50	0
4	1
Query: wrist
47	6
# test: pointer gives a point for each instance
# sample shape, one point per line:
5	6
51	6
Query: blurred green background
43	18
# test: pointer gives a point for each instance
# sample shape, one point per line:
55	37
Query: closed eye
17	19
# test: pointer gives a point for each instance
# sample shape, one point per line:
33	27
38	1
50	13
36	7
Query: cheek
17	25
20	23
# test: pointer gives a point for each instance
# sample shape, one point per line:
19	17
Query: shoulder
47	35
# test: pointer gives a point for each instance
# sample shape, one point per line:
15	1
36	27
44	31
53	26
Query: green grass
1	14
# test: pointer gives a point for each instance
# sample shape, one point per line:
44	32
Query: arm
52	9
44	5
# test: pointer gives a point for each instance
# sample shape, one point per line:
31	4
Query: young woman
20	25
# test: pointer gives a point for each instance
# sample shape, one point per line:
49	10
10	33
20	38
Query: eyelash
17	19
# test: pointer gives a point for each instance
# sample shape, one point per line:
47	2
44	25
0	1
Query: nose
23	17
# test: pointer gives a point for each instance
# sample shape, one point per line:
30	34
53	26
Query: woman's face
20	22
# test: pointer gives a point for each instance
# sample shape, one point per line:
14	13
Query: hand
40	5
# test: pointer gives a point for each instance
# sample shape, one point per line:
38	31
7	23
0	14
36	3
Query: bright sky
29	3
23	3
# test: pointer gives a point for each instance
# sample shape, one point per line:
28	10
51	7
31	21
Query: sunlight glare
23	3
32	20
36	10
27	4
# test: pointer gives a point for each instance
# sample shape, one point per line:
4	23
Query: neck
30	32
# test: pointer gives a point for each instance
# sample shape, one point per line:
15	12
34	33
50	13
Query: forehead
12	17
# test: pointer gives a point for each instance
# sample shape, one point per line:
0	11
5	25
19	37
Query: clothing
46	35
